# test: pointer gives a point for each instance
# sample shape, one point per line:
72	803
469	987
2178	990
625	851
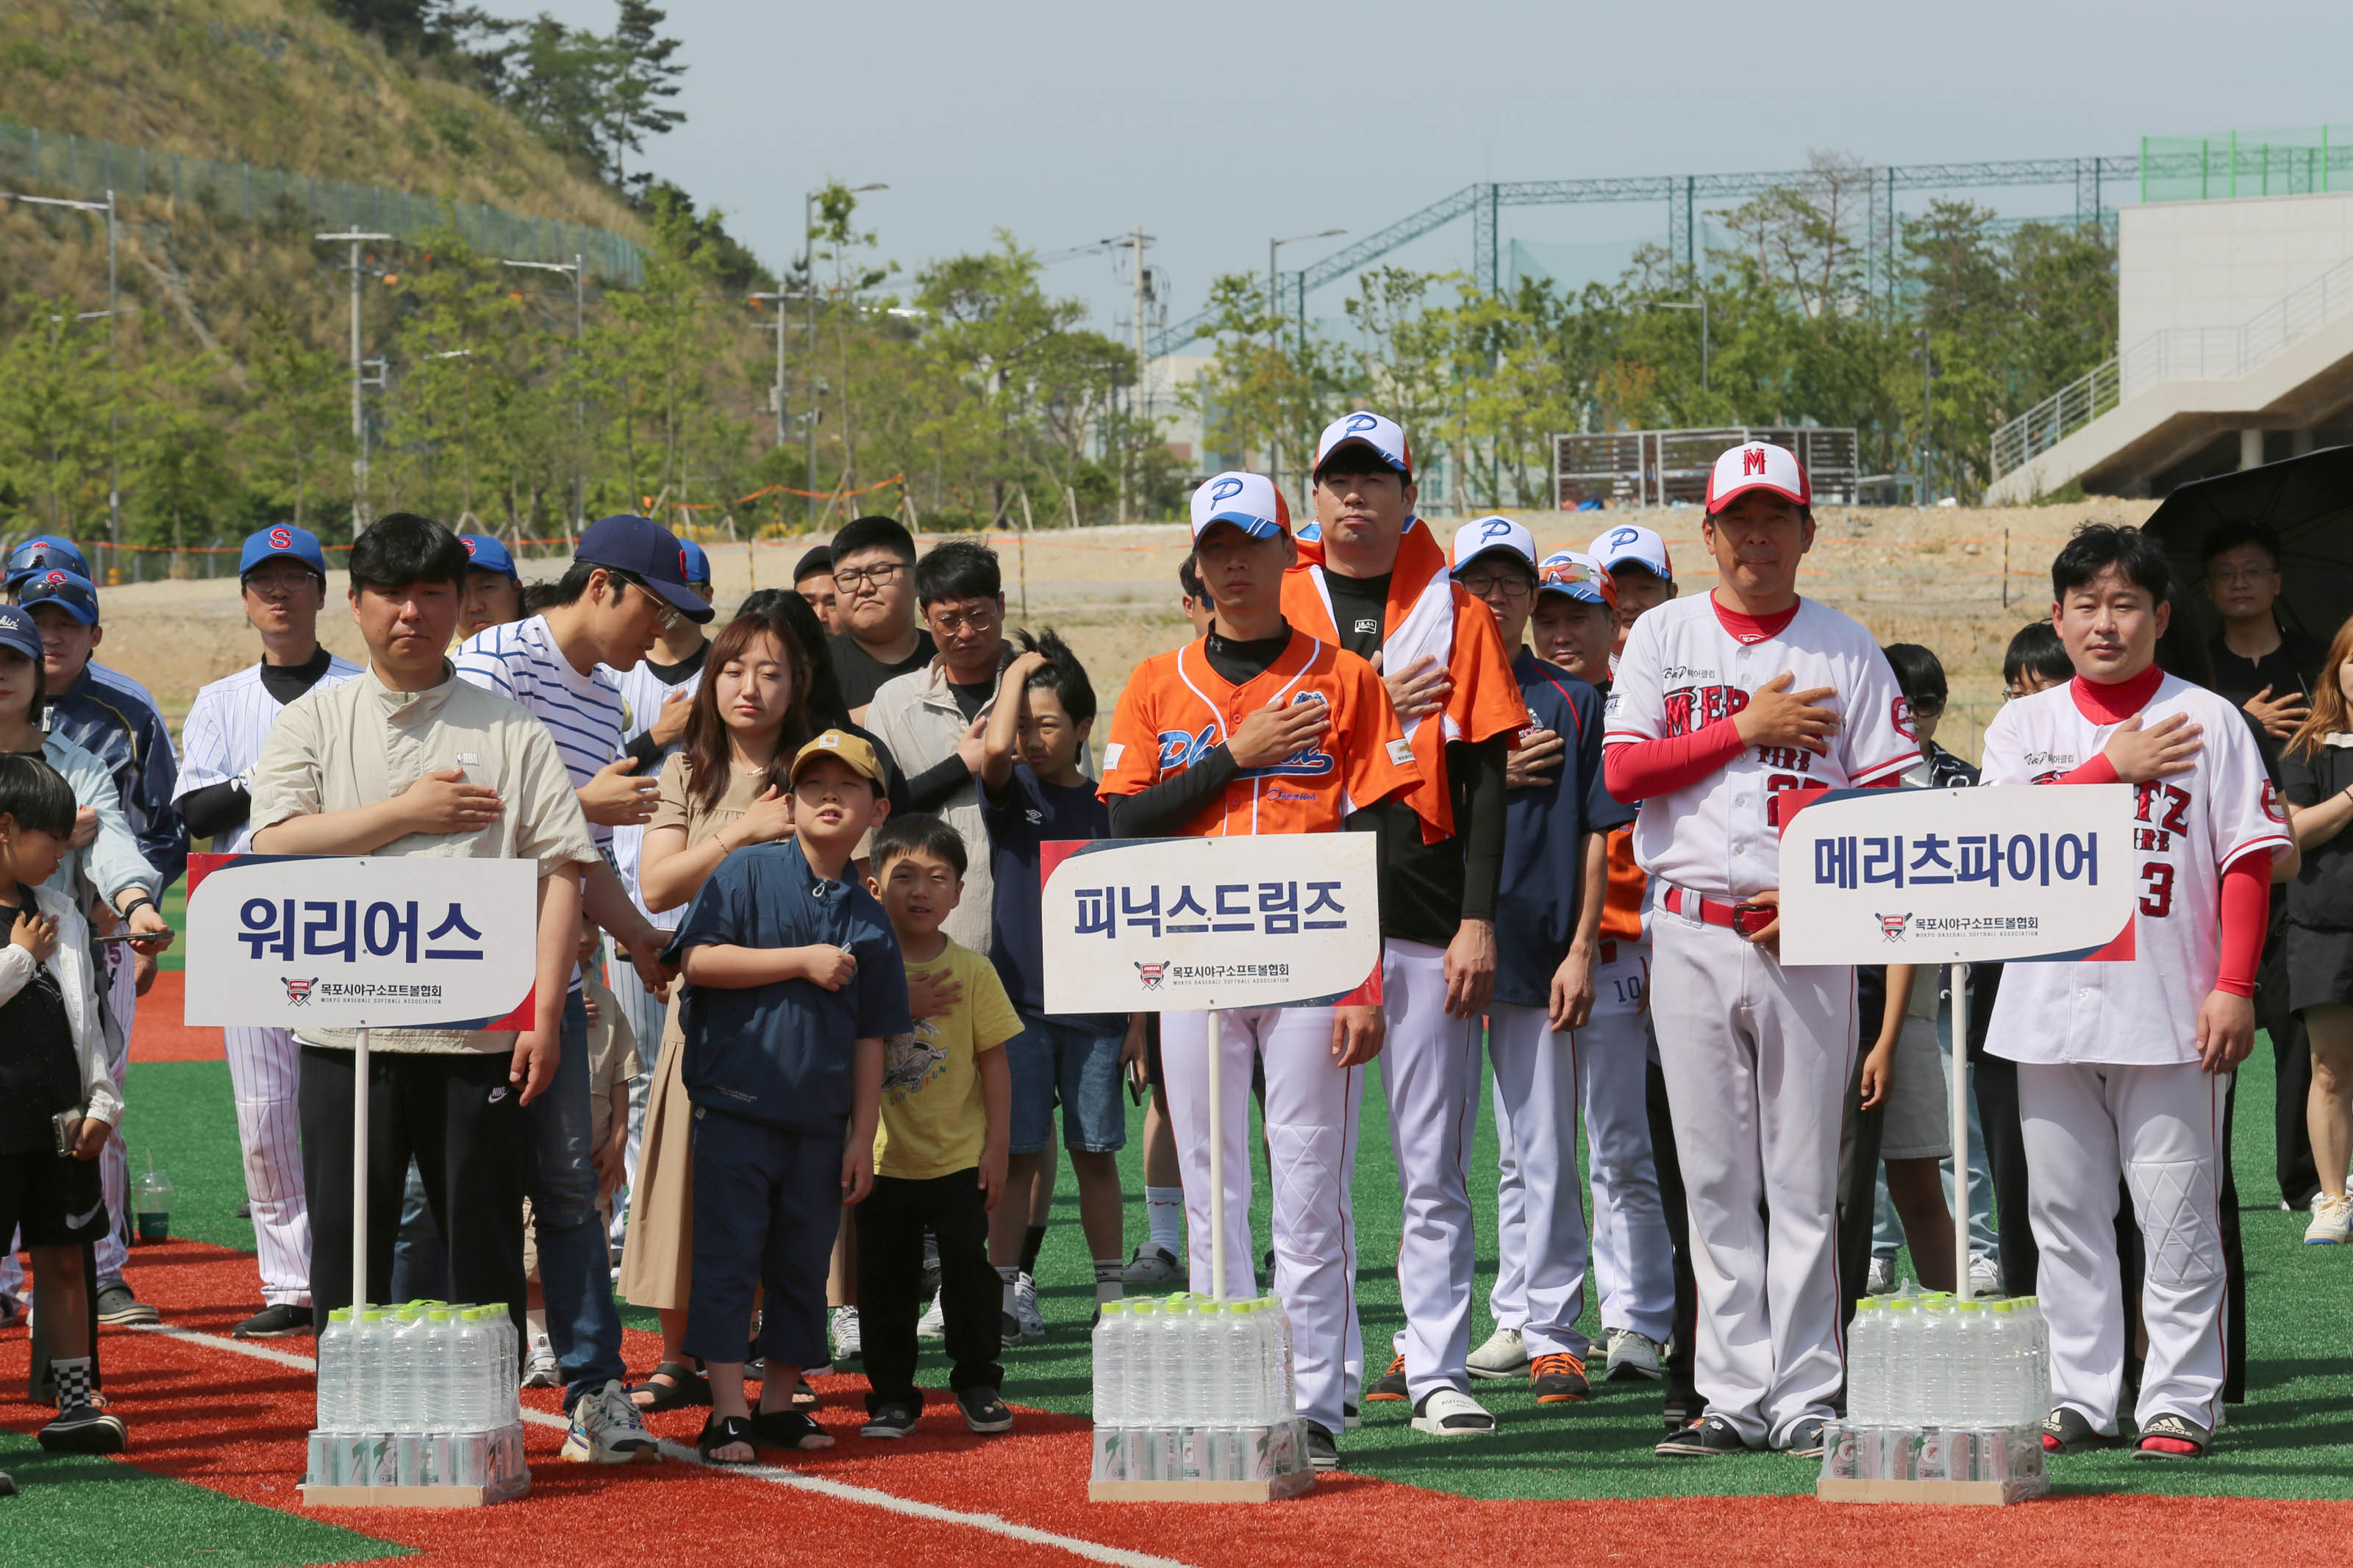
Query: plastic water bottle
1974	1400
2038	1355
1136	1347
1110	1365
1901	1350
1937	1361
443	1381
1242	1373
1177	1387
363	1402
467	1372
1205	1387
335	1373
1285	1344
1866	1372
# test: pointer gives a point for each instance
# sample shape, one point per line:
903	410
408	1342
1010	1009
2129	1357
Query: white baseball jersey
642	696
1683	669
226	726
2186	831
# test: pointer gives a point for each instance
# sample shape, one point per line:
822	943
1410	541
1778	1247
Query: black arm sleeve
646	750
1480	768
216	809
1164	808
929	790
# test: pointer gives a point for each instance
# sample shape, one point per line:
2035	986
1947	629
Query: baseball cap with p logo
1385	438
1249	501
1757	465
1632	545
1478	538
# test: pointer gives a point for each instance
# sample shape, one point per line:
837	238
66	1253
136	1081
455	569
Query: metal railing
2179	353
90	166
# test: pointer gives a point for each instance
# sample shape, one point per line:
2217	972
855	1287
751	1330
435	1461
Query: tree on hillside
53	425
180	487
591	96
644	78
294	447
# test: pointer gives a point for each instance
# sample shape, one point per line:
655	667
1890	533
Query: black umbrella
2307	501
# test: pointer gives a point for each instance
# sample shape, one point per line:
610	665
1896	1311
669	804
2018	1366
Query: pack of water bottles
422	1396
1942	1390
1190	1389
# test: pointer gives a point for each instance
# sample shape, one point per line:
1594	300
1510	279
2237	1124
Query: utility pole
1136	240
113	362
1927	407
580	398
776	392
359	409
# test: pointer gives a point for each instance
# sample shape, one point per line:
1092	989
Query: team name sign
1957	876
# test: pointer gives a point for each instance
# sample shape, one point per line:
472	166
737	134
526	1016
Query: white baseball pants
264	1074
1757	1057
113	1165
2160	1128
1312	1108
1429	1070
1540	1215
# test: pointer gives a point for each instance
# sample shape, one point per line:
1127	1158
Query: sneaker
1025	1307
891	1421
1559	1379
1349	1418
245	1209
847	1346
1153	1266
984	1411
540	1369
1633	1354
1882	1278
117	1305
85	1429
1804	1438
934	1323
279	1322
1390	1385
1450	1413
12	1311
7	1486
2176	1436
2332	1222
2068	1430
1503	1355
608	1430
1708	1437
1323	1451
1985	1275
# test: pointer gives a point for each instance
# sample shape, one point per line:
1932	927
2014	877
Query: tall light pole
809	270
1927	407
113	362
776	394
1687	305
359	368
1136	239
1274	333
580	398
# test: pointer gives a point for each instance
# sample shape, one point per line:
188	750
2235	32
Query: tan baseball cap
857	752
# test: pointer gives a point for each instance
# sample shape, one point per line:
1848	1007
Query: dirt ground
1933	577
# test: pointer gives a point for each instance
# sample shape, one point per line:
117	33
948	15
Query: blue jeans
575	1267
420	1259
1050	1060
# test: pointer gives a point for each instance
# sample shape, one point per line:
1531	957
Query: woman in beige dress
728	788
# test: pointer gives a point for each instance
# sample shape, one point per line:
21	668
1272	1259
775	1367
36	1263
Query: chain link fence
2303	162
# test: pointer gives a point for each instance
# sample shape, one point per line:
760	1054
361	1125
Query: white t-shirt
644	693
1683	669
2186	831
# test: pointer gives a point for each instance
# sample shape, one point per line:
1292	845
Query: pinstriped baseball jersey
226	726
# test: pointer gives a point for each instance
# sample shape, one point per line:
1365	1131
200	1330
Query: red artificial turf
158	1035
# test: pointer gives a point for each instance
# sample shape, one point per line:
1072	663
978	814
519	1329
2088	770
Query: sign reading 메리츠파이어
1170	925
337	941
1966	876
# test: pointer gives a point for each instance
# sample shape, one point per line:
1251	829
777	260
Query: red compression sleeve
2099	770
2246	909
1638	769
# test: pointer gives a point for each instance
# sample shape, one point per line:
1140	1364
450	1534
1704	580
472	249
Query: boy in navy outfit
1555	874
794	978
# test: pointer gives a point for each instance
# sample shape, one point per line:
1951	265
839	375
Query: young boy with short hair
793	980
940	1161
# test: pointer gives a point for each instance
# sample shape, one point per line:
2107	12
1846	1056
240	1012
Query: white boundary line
840	1492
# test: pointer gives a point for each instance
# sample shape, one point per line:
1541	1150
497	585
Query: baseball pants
1538	1206
2161	1128
1311	1136
1757	1057
1632	1252
113	1165
1429	1070
265	1075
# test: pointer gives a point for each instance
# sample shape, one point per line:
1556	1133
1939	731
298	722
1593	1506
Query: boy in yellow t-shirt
939	1154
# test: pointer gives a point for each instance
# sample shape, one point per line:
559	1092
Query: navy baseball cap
486	554
19	630
649	552
285	541
71	591
42	551
698	565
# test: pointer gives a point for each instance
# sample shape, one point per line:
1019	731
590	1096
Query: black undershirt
222	808
644	749
1164	808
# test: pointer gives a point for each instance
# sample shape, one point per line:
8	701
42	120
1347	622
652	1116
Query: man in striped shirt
627	583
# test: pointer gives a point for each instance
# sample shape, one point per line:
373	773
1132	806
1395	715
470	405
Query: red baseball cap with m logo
1757	465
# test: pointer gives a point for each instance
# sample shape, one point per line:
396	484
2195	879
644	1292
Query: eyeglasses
979	619
1511	584
665	617
863	577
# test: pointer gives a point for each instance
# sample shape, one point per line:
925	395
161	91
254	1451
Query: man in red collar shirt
1721	703
1372	579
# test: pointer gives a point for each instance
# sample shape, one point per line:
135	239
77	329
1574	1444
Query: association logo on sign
1151	974
1892	926
298	991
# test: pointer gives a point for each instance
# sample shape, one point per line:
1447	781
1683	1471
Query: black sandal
686	1387
722	1431
788	1430
804	1396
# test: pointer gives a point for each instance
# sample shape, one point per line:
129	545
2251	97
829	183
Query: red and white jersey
1688	664
2186	831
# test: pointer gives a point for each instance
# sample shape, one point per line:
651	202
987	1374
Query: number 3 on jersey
2156	884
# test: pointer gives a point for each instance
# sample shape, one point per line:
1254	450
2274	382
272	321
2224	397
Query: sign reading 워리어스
1966	876
334	941
1170	925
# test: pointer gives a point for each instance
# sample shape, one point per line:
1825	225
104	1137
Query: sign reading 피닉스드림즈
1966	876
1165	925
347	941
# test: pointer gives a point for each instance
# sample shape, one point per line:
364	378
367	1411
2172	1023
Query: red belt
1717	912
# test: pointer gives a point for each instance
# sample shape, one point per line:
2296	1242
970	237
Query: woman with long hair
730	787
2316	775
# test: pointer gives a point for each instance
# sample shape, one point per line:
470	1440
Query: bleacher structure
1662	468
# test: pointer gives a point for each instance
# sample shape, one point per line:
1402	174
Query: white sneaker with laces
1985	1275
2332	1222
1634	1355
1882	1278
846	1345
1025	1307
540	1369
1503	1356
608	1430
934	1323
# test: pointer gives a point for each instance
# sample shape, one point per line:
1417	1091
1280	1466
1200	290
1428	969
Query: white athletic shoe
846	1345
1882	1278
1985	1275
1153	1266
1025	1307
540	1369
1450	1413
1633	1354
1503	1356
608	1430
934	1323
2332	1222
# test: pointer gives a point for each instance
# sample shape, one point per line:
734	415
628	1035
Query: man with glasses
874	588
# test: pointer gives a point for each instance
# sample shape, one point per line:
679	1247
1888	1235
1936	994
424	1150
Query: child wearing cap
794	981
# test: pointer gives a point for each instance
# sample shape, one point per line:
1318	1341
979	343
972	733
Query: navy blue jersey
1025	814
1544	834
782	1054
110	718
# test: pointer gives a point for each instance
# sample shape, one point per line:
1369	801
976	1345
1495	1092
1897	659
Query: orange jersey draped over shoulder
1621	907
1177	708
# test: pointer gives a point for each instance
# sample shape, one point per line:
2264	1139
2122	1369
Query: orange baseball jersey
1428	613
1176	708
1621	908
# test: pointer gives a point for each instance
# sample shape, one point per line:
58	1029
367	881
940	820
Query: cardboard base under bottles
1201	1491
405	1497
1982	1494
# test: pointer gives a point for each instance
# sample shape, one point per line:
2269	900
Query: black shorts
2319	968
56	1201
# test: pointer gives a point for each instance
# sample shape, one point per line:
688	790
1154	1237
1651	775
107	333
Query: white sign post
2005	874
